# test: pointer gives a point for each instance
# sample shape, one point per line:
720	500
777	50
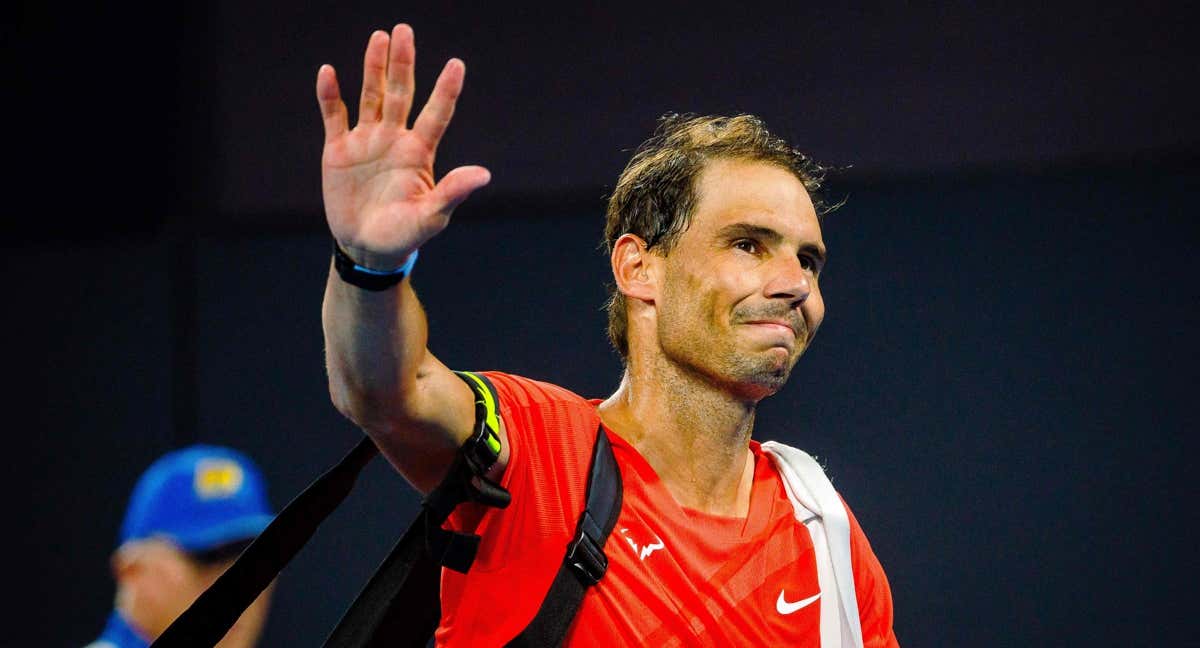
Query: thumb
457	185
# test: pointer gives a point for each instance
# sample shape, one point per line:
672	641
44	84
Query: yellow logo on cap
218	478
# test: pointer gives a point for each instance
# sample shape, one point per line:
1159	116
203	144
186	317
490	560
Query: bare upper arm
438	417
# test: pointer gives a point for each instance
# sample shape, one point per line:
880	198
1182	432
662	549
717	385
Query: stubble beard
718	358
759	375
765	371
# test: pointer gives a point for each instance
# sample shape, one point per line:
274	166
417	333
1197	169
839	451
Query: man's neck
695	435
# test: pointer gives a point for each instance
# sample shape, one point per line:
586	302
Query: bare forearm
374	346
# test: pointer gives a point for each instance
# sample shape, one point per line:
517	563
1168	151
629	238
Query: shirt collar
119	633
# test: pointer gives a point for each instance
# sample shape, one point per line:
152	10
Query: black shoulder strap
422	549
585	562
400	604
216	610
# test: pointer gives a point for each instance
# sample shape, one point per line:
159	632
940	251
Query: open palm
381	197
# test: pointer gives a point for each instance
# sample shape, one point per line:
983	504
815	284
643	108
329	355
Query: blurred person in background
190	515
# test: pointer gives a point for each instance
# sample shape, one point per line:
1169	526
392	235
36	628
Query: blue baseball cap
201	497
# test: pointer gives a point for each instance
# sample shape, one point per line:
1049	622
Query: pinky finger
329	97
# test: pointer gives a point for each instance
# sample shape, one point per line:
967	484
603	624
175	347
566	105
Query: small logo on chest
784	607
645	549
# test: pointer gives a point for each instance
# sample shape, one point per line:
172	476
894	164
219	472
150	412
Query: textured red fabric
676	577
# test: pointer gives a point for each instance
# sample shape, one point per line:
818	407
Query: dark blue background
1001	389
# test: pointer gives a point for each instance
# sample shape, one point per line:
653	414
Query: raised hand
381	197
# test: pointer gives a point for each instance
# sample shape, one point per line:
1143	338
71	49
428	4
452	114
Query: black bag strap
400	605
209	618
585	562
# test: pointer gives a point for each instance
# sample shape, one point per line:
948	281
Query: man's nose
791	281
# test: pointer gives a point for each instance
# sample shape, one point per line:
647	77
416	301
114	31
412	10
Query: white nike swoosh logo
787	608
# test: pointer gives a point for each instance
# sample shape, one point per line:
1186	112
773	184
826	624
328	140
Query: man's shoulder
520	391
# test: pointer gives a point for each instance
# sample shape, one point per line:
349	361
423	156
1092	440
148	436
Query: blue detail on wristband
369	278
402	270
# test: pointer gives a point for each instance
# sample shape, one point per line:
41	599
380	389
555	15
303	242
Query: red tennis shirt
676	576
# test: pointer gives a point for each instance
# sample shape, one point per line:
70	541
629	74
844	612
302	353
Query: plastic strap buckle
586	553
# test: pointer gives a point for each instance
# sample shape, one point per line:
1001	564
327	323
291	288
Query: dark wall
206	112
557	94
998	389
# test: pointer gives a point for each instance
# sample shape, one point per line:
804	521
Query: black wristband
368	278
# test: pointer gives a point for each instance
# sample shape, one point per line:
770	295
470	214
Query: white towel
818	506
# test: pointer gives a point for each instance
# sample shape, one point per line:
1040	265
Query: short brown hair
655	195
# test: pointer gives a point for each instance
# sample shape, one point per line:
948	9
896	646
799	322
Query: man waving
716	253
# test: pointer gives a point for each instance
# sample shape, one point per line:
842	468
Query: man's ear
125	560
632	267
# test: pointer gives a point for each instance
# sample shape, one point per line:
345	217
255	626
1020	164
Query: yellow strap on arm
487	416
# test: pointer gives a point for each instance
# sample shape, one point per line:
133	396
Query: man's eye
808	263
746	245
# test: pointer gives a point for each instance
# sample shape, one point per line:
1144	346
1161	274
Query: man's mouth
783	327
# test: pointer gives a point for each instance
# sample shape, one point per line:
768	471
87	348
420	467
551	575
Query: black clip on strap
586	553
604	497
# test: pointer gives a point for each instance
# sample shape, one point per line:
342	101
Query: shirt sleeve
550	432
